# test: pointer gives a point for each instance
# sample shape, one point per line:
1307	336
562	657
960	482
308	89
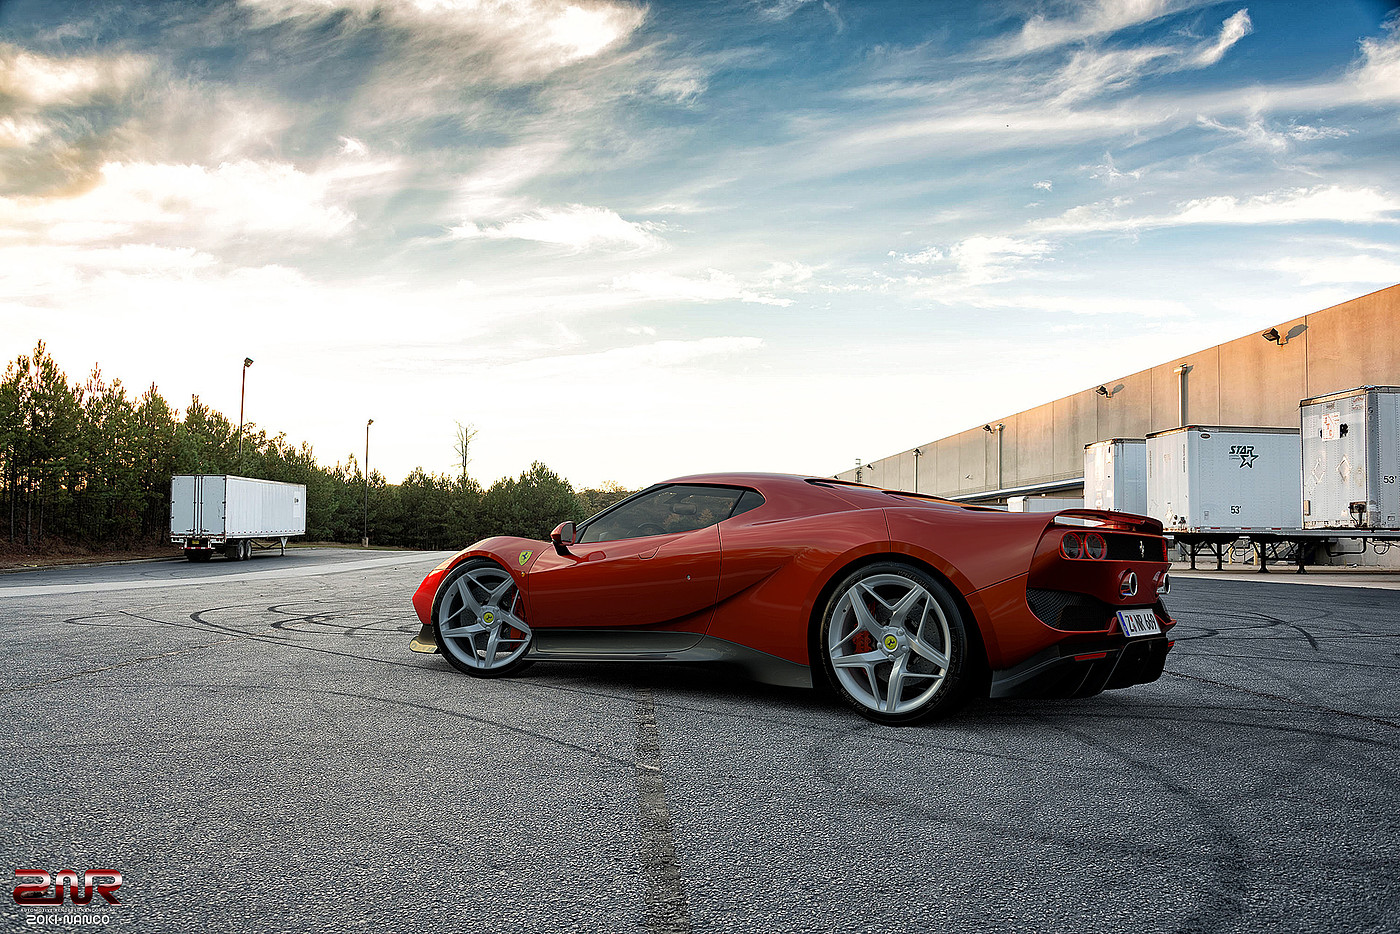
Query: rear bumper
1084	668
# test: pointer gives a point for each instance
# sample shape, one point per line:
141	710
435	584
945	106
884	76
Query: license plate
1138	623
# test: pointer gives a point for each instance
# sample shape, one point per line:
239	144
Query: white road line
427	559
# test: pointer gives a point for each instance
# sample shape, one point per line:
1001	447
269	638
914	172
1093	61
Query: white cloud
526	38
235	199
1045	185
1094	19
1361	269
19	132
1087	304
715	287
1255	133
1305	133
922	258
787	275
1235	28
1377	76
44	81
1331	203
576	226
991	259
1091	72
492	188
1289	206
1108	170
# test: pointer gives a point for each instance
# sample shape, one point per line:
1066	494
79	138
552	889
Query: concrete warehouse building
1256	380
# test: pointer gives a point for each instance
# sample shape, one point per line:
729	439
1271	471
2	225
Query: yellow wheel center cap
891	643
488	617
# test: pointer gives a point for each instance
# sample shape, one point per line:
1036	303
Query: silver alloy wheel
479	619
904	661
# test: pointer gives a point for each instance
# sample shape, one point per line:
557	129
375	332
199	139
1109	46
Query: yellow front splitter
425	642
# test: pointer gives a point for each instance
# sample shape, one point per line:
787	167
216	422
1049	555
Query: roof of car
742	479
770	479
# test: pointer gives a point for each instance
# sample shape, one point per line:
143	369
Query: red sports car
900	601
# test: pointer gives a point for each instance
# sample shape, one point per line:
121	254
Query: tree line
88	465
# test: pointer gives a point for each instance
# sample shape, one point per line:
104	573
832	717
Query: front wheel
479	620
893	643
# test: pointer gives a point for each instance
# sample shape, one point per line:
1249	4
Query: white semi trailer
1115	475
210	512
1237	480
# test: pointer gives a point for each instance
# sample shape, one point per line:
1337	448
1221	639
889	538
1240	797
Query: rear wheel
479	620
893	643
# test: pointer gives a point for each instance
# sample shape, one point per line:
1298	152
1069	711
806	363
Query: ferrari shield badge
525	556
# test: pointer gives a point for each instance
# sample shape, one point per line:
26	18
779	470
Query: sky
637	241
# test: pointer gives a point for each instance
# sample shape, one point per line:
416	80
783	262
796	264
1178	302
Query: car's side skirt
636	645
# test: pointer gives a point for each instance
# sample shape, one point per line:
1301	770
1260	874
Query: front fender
514	554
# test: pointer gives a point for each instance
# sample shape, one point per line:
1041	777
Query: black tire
861	648
479	575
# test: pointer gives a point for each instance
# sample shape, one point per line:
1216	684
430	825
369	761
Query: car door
651	561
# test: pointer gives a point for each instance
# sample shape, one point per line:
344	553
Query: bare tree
465	434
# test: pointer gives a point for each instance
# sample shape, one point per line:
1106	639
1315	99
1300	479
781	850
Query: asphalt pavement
254	748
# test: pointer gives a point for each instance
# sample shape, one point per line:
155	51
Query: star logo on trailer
1245	452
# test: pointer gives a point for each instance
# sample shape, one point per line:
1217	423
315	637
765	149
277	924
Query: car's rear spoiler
1108	519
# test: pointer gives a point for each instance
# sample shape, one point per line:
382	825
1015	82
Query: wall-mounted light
1272	335
1103	391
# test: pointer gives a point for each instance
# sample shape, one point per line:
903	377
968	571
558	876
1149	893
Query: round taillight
1071	545
1095	546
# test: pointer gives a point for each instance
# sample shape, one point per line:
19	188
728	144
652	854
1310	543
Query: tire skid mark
1318	708
1227	851
347	629
1271	727
430	708
667	909
126	664
92	621
844	780
204	625
1335	662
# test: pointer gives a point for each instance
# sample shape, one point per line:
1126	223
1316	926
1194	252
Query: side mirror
562	536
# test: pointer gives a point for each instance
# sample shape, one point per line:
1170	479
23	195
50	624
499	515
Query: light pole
365	542
247	362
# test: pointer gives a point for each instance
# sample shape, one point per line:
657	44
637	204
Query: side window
671	509
751	499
